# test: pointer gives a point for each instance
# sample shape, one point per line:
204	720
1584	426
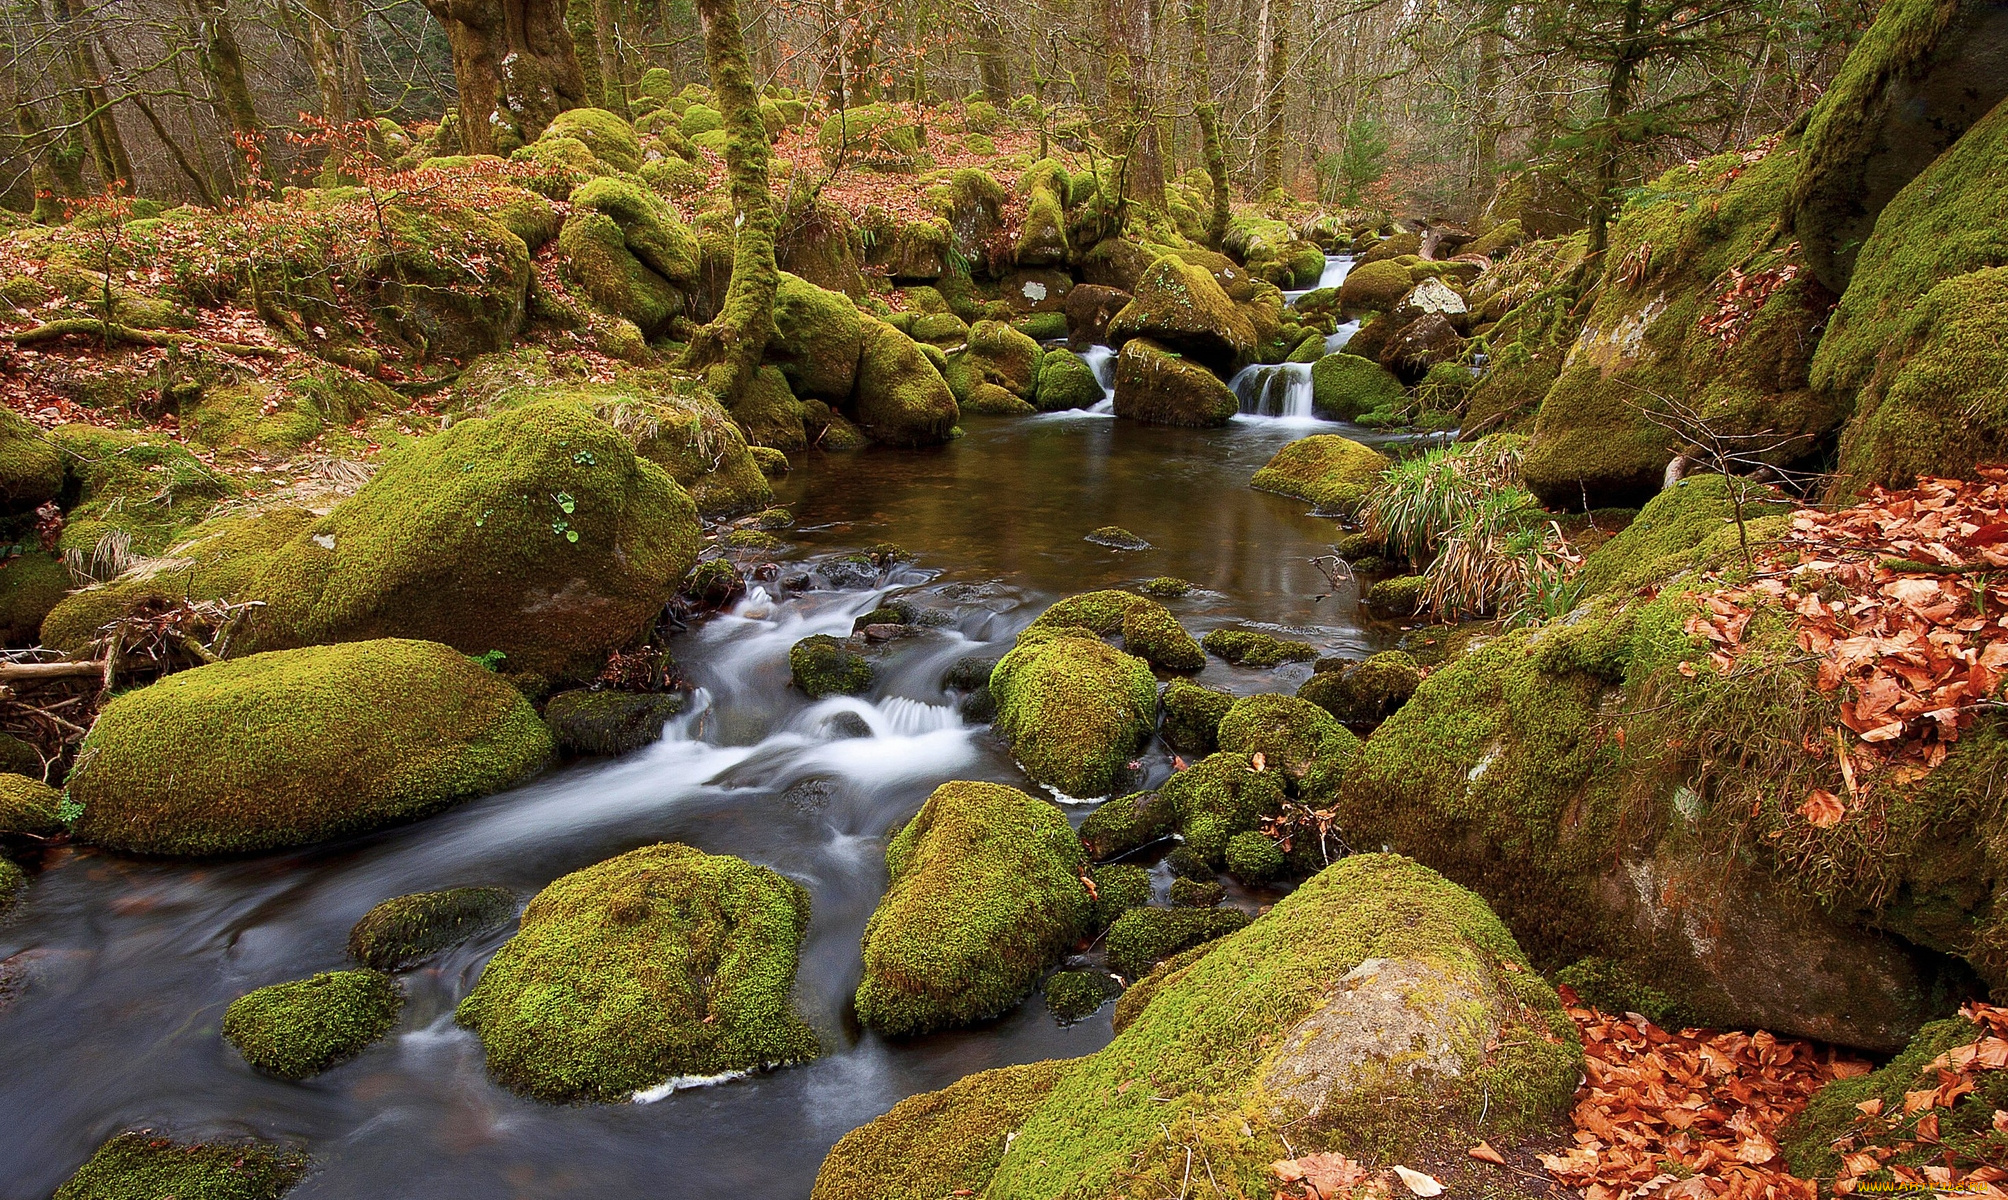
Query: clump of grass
1492	558
1420	500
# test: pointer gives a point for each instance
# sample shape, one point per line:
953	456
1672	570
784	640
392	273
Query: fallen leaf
1823	809
1484	1152
1419	1183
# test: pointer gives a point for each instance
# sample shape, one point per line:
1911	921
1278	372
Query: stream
121	968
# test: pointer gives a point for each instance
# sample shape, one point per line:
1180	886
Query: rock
1431	296
1216	798
1192	893
31	470
936	1144
588	722
901	400
818	339
1396	597
1297	740
942	330
1249	648
1066	382
1090	307
1116	537
141	1164
1143	937
1685	526
29	808
1192	716
409	929
823	666
1168	587
299	746
1254	858
1158	386
1331	472
1148	629
1077	995
985	894
1396	245
1345	386
1073	710
1119	887
662	964
1373	287
1122	824
33	584
877	137
1499	239
297	1030
1181	307
611	139
1042	237
12	880
1421	345
1367	693
998	354
820	243
630	252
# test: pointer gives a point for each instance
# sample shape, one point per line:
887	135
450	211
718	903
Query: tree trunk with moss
1211	150
515	67
1135	140
1269	154
727	351
223	63
107	145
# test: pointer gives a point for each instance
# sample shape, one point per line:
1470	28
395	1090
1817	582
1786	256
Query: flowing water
120	969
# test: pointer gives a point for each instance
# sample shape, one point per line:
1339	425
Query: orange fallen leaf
1823	809
1484	1152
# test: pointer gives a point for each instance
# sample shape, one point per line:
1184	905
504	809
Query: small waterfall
1102	361
1281	390
1341	336
1336	266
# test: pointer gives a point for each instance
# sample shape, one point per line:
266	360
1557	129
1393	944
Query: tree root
91	327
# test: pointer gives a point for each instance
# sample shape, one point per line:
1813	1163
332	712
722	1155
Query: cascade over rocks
1181	307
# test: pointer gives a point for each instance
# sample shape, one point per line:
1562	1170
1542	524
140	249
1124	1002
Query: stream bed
121	968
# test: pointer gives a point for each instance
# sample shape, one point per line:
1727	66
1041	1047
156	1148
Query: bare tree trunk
223	65
992	65
514	65
728	350
107	147
1211	152
1277	48
204	194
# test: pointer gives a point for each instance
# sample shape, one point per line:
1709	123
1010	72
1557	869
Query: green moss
1399	596
1122	824
630	251
299	746
1331	472
1076	995
1373	286
1073	710
935	1144
1216	798
985	894
1249	648
1192	716
1042	326
1144	936
139	486
589	722
1182	307
408	929
1148	629
1612	987
1119	887
29	808
30	585
1066	382
1346	386
1966	1133
12	880
901	400
1164	587
1368	693
824	666
1194	893
31	470
1159	386
877	137
1254	858
141	1166
700	118
1296	738
661	963
299	1029
818	337
611	139
1678	530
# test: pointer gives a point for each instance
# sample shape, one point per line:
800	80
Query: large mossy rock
1362	1008
1073	709
877	137
1159	386
935	1144
985	894
611	139
630	251
1331	472
1924	73
298	746
818	336
297	1030
1182	307
1346	387
900	398
407	929
1148	629
1298	740
1683	527
143	487
31	471
1678	316
29	808
1042	236
1918	346
31	585
660	964
538	532
143	1166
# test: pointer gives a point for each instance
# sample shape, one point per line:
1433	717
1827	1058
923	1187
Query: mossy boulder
1217	797
1066	382
1331	472
538	532
1298	740
31	471
1346	387
1125	823
1683	527
1158	386
1074	710
660	964
1181	307
818	337
824	666
1192	716
1364	1000
31	585
1042	236
1148	628
935	1144
1366	693
143	1166
630	252
998	354
298	746
985	894
1119	887
900	398
878	137
1253	648
139	486
1397	597
588	722
1254	858
1143	937
297	1030
29	808
407	929
452	281
611	139
1373	287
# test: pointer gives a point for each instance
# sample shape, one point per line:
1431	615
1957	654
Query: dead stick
32	672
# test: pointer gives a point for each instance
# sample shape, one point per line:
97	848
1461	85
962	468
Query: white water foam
1280	390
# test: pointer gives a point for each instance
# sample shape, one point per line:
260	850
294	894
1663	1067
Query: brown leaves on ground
1688	1115
1902	601
1880	1136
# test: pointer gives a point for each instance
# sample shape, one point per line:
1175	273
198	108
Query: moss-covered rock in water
1066	382
1181	307
1196	893
30	585
1192	716
900	398
1346	387
589	722
1674	316
662	963
1364	1003
824	666
1917	79
1916	345
1119	887
985	894
630	251
818	336
1373	287
31	472
936	1144
1077	995
1396	597
1124	823
611	139
1074	710
1148	629
1216	798
1683	527
1331	472
29	808
1254	858
538	532
299	746
12	880
299	1029
1143	937
1297	739
1366	693
408	929
1250	648
1158	386
142	1166
1000	355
